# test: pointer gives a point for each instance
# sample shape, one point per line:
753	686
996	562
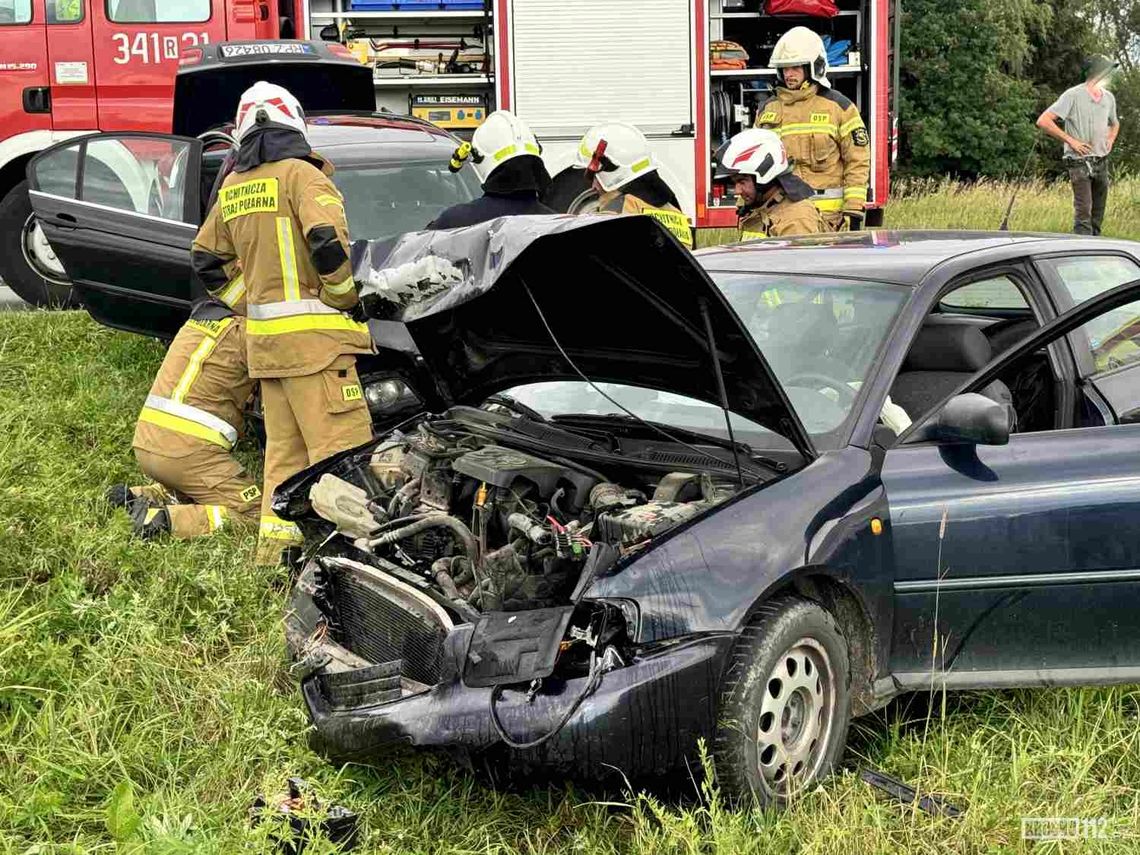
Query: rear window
15	11
391	199
157	11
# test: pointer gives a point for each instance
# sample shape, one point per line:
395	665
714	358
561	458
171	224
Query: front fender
710	576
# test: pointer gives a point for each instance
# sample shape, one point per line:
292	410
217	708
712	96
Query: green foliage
964	110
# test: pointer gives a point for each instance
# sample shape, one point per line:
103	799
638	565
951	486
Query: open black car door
120	210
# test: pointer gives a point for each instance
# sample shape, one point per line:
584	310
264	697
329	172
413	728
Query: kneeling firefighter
507	158
626	178
821	128
772	201
282	218
188	426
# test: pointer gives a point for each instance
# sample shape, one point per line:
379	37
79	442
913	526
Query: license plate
268	49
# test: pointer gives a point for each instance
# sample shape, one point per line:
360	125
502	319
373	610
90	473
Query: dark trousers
1090	193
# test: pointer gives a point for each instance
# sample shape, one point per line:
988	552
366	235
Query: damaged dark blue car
631	497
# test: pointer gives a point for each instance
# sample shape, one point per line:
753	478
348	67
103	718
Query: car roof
368	138
898	257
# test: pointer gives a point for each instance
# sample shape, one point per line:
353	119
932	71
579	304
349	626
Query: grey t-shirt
1085	118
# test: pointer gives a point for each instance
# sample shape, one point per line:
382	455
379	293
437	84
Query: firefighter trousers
307	419
209	489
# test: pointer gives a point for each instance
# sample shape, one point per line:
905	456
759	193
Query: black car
741	495
121	209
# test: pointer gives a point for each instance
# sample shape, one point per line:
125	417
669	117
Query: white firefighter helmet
615	153
265	104
756	152
501	138
802	46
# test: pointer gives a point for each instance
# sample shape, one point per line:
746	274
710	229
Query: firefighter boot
150	523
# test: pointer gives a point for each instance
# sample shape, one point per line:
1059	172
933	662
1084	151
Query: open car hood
208	86
621	296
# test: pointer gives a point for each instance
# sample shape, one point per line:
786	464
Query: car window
15	11
157	11
64	11
1085	276
391	199
56	172
997	292
146	175
1109	341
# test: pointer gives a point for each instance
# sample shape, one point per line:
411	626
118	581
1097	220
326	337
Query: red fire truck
69	67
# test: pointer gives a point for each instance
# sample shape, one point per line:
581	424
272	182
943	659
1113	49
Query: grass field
144	699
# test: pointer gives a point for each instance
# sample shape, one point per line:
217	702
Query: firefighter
822	130
507	158
281	217
625	175
772	200
187	429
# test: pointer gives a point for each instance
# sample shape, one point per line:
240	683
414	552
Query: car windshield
382	201
819	335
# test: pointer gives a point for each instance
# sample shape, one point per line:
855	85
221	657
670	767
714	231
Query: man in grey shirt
1088	111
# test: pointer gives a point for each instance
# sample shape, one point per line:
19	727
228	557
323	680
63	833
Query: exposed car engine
499	529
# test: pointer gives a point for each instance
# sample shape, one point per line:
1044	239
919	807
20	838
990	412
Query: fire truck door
25	101
137	45
71	65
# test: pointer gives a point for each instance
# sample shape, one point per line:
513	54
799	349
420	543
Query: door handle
37	99
67	218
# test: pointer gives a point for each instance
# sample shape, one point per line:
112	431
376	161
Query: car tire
17	271
566	187
784	704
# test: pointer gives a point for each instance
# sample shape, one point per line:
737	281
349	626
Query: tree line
975	74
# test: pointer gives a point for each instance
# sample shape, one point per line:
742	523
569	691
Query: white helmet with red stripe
615	153
756	152
265	105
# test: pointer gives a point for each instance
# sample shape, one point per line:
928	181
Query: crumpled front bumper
644	718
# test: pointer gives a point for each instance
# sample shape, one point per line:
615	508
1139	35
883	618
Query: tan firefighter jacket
200	391
781	217
827	141
616	202
284	222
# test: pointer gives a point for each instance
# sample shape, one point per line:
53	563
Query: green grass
144	699
1038	206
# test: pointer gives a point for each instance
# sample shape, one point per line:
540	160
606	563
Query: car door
1019	564
120	211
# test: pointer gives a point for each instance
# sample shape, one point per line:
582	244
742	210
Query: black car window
146	175
393	198
996	292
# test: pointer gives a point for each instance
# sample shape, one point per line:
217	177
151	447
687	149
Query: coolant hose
441	570
470	545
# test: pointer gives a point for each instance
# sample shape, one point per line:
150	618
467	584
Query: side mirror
969	419
329	33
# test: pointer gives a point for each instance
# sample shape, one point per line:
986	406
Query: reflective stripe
829	193
189	420
329	201
504	151
828	205
151	513
753	235
267	311
850	125
854	192
299	316
275	528
193	367
288	258
585	152
641	165
216	515
232	292
531	148
305	323
343	288
800	129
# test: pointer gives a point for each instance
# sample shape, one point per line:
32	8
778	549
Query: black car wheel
784	704
27	264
